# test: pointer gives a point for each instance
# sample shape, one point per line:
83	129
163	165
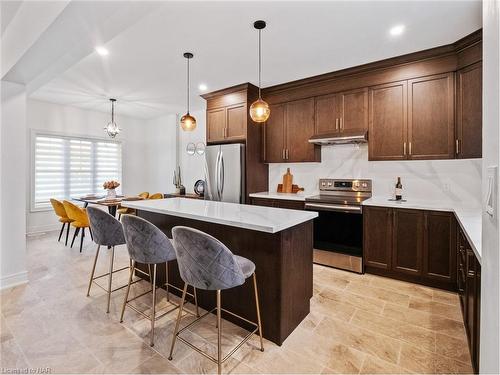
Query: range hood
346	137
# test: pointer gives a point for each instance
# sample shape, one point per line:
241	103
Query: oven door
338	235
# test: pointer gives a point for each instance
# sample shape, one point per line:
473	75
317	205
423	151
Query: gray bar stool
149	245
107	231
206	263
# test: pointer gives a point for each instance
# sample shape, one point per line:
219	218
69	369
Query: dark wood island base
284	269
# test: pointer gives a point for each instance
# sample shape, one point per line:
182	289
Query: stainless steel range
338	229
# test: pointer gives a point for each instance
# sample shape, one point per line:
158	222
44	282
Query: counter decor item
295	189
179	188
199	188
398	191
110	186
287	181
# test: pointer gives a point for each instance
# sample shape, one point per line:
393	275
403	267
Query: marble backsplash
451	180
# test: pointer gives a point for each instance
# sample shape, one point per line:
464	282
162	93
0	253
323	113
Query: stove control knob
364	184
329	183
323	183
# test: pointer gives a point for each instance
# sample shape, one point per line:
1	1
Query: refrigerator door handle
221	171
217	172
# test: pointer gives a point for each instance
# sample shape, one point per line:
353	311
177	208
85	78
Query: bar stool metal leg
179	315
153	313
196	302
110	280
93	270
166	282
132	267
258	311
219	349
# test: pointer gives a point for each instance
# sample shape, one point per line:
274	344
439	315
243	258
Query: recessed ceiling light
202	87
102	51
397	30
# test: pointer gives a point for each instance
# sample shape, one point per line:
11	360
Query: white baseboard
43	228
13	280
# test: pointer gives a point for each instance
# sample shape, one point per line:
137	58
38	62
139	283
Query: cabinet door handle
286	153
457	146
336	124
283	154
409	148
404	148
341	121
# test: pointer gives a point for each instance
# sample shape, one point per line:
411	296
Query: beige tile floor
358	324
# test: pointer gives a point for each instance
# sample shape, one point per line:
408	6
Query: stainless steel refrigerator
225	173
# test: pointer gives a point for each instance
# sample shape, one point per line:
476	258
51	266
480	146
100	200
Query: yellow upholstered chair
130	211
63	217
80	220
156	196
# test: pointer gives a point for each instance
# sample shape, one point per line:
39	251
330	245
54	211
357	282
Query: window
65	167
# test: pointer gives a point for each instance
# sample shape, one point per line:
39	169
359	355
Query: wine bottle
398	192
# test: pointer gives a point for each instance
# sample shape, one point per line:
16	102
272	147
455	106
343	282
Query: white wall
161	152
148	148
456	180
490	348
192	166
13	186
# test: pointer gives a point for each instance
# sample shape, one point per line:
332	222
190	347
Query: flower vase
111	194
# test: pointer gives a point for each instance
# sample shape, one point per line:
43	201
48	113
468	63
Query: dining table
111	203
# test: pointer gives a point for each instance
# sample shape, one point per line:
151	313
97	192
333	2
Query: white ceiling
146	72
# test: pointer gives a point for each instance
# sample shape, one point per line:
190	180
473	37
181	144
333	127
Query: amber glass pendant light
188	122
112	129
259	110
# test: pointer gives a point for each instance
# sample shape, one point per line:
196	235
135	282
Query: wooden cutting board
287	181
295	189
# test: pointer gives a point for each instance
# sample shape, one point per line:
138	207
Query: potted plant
110	186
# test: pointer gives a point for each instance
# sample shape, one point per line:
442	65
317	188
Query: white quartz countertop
300	196
469	218
263	219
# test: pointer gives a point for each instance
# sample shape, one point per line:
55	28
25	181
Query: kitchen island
278	241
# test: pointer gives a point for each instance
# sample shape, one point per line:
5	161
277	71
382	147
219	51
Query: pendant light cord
113	112
260	62
188	86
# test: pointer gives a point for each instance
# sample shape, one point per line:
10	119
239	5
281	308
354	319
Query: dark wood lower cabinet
440	236
279	203
407	242
377	237
469	290
411	245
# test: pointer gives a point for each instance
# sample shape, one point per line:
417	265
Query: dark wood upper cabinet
327	113
407	251
216	123
377	237
439	246
287	132
431	124
387	121
469	112
354	105
274	129
227	115
299	120
236	122
345	111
